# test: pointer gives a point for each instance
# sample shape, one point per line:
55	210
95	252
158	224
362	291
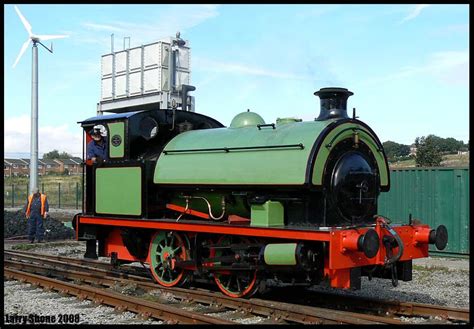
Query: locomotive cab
118	185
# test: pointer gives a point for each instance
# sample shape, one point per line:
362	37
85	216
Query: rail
88	271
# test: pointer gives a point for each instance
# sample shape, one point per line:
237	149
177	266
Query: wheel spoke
228	282
172	240
240	284
166	247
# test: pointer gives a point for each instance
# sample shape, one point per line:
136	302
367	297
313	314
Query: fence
435	196
60	195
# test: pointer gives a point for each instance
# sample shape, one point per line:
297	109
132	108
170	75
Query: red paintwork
349	241
88	139
238	220
343	253
188	211
155	275
209	227
114	243
341	257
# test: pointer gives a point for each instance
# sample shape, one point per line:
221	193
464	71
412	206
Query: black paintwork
333	103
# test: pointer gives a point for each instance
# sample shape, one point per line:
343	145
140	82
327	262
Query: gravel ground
442	281
24	299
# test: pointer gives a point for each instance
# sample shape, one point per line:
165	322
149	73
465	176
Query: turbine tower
35	39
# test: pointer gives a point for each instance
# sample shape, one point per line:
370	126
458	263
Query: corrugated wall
435	196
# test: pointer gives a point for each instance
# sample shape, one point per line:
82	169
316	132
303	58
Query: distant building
15	167
412	149
41	170
21	167
72	166
51	166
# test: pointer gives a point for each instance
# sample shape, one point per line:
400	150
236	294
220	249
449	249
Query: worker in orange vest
37	208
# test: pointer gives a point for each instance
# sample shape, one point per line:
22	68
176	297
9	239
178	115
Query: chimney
333	103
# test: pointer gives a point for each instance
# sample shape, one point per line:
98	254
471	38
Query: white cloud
102	27
243	69
446	66
17	138
166	23
414	13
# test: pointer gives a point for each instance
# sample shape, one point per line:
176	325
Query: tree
394	150
54	154
428	152
452	145
64	155
447	145
404	150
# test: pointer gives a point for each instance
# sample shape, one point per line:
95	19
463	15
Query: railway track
104	275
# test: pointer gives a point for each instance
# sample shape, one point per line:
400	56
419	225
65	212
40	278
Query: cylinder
280	254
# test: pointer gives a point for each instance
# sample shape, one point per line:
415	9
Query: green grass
431	268
24	246
449	160
29	246
455	160
425	273
65	191
47	179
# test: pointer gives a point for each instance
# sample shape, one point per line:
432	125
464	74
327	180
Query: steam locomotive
293	200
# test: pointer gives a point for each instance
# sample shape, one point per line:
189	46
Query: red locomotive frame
343	250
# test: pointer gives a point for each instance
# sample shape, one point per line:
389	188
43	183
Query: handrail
243	148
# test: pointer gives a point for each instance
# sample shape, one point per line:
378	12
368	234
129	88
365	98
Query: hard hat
99	130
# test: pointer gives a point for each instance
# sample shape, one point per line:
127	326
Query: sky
406	64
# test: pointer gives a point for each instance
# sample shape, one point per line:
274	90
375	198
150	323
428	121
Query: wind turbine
35	39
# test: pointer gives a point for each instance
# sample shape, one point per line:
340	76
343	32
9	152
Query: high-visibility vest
43	202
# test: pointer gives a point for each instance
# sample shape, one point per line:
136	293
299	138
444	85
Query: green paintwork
267	215
282	121
436	196
236	207
280	254
119	191
340	133
117	128
245	167
163	247
280	166
246	119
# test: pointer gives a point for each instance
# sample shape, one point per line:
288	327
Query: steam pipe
184	95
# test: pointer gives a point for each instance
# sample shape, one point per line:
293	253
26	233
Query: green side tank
250	152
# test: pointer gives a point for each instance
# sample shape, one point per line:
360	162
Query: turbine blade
52	36
24	21
22	51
